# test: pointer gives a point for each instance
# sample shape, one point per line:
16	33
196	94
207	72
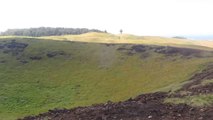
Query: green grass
198	100
93	73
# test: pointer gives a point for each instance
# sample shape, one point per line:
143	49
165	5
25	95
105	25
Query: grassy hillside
132	39
127	38
38	74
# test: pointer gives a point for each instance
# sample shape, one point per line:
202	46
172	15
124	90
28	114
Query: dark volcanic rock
108	44
176	50
35	58
202	89
16	45
23	61
166	50
122	48
3	61
139	48
13	47
55	53
1	46
144	107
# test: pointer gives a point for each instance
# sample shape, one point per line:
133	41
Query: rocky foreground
144	107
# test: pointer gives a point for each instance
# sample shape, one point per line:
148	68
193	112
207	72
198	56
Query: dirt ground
144	107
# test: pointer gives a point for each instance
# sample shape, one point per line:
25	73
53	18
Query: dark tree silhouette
47	31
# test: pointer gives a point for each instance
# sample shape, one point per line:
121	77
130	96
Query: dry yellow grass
132	39
129	39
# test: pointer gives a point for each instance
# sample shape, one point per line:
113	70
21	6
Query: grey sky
141	17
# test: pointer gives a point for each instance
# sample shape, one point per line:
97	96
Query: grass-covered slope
39	74
95	37
132	39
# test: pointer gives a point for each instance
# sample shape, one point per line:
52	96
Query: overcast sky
141	17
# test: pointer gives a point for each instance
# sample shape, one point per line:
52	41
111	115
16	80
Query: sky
140	17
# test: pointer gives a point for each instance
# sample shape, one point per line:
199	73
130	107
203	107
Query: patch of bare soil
144	107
